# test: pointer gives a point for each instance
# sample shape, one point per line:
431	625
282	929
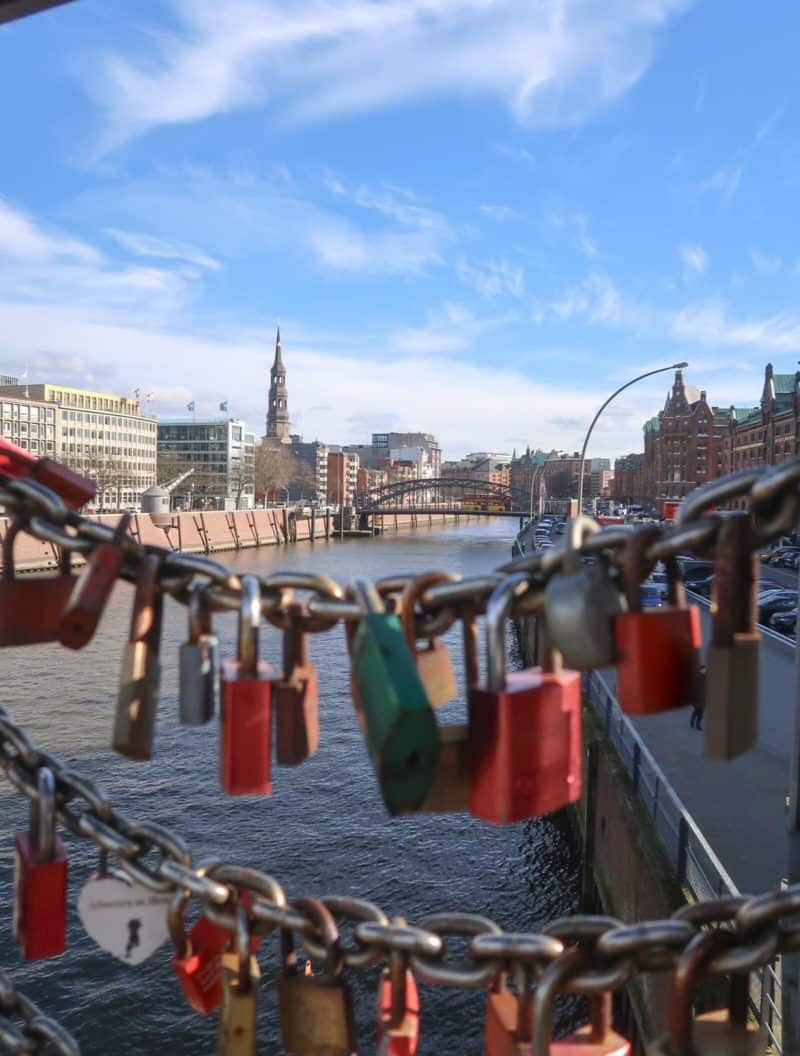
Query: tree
108	472
275	467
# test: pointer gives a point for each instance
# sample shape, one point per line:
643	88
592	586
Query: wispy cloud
711	323
695	259
519	154
500	212
150	246
577	228
378	231
726	179
765	264
550	62
23	238
493	279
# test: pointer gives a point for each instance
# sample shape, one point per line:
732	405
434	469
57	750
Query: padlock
246	711
93	589
525	727
40	878
240	979
316	1011
31	608
198	955
732	680
595	1038
137	701
434	664
508	1027
296	695
198	666
398	1006
658	651
724	1031
581	603
71	488
398	722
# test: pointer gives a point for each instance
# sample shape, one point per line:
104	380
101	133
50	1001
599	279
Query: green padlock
398	722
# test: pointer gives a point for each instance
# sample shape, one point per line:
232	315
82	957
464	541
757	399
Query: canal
323	830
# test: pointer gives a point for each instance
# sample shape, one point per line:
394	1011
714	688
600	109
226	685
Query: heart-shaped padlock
124	918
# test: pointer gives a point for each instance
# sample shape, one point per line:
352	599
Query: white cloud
550	61
710	323
492	280
577	228
149	246
764	264
695	259
371	231
500	212
22	238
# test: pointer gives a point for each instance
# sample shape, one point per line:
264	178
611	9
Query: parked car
785	622
768	555
650	595
695	567
659	580
700	584
780	602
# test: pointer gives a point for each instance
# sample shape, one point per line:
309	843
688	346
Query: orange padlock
658	658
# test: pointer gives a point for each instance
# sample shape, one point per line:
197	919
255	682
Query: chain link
610	951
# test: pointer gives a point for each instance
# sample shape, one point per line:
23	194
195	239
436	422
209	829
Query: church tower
277	402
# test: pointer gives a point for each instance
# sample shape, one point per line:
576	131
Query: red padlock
31	608
658	665
595	1038
40	878
246	706
398	1007
73	489
524	728
93	589
198	955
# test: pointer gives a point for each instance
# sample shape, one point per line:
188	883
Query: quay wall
209	532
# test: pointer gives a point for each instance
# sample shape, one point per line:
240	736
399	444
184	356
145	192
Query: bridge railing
696	865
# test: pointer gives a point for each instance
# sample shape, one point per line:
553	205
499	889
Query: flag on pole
190	406
224	405
149	396
136	393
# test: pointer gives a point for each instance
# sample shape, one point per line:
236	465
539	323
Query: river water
324	829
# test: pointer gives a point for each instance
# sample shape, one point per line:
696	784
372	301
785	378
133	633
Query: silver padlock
581	602
198	666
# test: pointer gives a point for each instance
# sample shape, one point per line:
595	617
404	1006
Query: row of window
28	429
139	425
94	403
37	447
26	412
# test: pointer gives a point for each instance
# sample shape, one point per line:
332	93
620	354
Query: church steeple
278	399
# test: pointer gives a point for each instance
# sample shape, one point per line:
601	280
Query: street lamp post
640	377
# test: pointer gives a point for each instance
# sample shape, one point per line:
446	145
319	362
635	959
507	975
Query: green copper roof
741	414
784	383
652	425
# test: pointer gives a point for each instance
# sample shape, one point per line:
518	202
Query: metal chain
771	493
37	1033
152	855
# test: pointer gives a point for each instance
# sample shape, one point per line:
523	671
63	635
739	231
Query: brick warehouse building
690	441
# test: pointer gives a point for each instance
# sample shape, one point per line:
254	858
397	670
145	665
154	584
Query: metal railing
692	857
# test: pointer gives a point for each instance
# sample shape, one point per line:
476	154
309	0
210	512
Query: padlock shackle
144	616
249	625
294	640
549	985
328	929
410	597
199	613
578	528
636	566
696	955
366	594
43	816
497	609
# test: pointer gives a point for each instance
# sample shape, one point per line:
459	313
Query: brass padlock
315	1010
137	701
240	978
434	663
732	679
723	1032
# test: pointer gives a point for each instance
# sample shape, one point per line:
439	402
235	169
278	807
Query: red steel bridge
445	495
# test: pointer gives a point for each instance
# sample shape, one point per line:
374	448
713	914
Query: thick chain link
36	1033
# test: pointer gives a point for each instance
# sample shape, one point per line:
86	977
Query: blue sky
474	217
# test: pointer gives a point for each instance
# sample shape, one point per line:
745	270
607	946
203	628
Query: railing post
637	762
589	821
683	848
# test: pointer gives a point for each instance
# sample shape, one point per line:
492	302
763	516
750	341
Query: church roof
784	383
743	414
652	425
278	362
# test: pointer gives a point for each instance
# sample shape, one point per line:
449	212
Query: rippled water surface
323	830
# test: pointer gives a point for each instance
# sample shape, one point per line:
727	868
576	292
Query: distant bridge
446	495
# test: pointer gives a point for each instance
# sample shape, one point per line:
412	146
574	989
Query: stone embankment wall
200	532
